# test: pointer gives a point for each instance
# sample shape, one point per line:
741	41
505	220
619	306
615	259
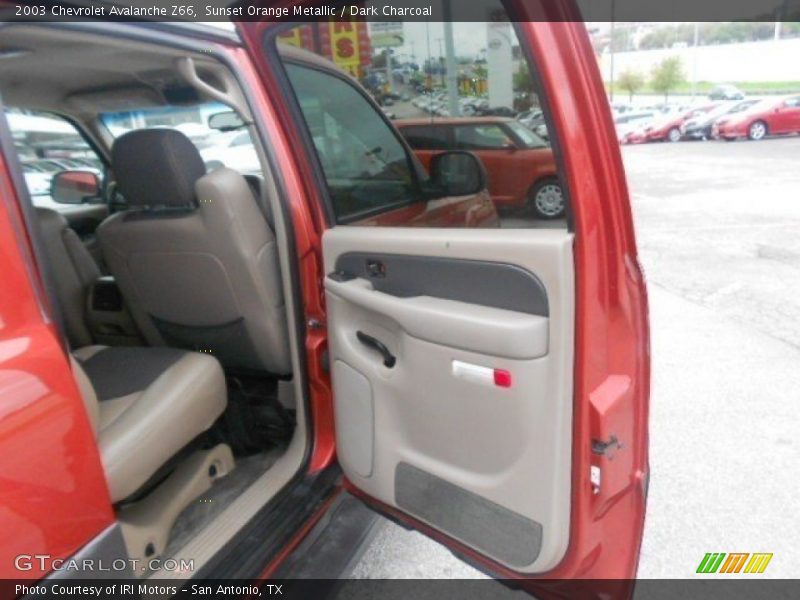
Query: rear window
421	137
481	137
527	138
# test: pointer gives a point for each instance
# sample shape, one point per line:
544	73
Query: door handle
389	359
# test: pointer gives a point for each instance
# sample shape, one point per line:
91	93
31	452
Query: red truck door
509	420
53	494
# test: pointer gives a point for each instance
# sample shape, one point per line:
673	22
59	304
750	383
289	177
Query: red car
669	127
522	170
769	117
201	370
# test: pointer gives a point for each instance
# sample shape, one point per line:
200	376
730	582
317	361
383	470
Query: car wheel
757	130
546	199
674	135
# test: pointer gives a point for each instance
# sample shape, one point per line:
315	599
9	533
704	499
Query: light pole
452	71
611	47
389	77
441	60
694	57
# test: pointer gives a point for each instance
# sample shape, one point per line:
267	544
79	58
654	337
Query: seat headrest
157	168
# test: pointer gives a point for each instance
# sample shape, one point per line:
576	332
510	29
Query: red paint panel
53	494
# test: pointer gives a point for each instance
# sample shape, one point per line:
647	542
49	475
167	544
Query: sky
422	39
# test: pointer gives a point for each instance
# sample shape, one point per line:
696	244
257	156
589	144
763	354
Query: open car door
451	357
490	385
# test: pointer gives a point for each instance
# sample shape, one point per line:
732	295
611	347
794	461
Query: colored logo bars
735	562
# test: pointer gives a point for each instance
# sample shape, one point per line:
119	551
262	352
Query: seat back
194	256
87	393
73	270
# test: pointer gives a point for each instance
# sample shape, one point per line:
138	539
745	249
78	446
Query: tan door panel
435	435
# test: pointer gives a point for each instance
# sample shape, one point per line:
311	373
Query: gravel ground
718	227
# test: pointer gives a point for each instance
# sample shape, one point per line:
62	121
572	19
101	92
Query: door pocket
354	418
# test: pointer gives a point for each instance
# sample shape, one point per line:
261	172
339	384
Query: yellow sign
344	45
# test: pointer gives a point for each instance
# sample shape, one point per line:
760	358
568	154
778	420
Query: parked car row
438	104
728	120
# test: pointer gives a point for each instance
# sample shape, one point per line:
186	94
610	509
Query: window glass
482	137
426	137
365	164
445	87
232	149
48	144
243	139
527	138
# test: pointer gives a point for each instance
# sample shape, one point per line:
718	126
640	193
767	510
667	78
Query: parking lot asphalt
718	228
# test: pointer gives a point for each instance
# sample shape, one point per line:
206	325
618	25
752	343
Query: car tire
546	199
674	135
757	130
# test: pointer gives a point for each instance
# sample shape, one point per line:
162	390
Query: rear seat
145	403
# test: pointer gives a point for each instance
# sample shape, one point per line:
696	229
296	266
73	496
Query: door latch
606	448
376	268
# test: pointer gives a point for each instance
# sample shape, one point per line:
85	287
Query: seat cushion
119	371
152	402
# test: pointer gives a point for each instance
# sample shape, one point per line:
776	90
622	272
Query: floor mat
223	492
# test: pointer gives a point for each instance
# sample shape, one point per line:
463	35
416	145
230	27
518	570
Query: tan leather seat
72	270
145	405
193	255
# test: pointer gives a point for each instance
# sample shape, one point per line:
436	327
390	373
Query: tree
631	82
667	75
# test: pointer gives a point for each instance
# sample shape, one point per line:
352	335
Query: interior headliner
46	68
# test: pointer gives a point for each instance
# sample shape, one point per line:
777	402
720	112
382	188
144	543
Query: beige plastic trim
510	446
495	331
148	522
230	96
